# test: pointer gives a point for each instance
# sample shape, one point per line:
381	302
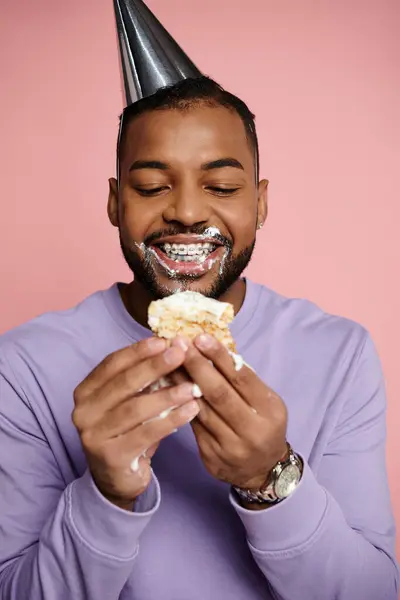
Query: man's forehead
198	128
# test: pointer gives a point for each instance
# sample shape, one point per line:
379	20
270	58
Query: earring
260	225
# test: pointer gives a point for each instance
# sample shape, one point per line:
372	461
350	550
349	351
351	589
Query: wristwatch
281	482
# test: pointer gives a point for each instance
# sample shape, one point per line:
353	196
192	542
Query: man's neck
137	299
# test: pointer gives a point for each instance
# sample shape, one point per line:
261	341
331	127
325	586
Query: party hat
150	57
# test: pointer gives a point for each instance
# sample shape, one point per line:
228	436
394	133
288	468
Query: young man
223	507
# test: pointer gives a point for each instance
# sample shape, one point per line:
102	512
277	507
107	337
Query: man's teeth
187	252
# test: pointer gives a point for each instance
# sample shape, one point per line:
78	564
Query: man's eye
151	191
220	191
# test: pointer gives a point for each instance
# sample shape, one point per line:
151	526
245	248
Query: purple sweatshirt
188	538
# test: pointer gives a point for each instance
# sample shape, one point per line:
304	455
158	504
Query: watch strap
267	494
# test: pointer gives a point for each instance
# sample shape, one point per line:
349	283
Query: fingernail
190	410
182	342
184	391
205	341
172	355
156	343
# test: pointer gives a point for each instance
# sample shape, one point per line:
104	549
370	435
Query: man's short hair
185	95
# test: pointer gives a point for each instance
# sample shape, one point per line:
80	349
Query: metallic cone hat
150	57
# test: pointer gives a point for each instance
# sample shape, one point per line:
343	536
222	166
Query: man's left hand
241	427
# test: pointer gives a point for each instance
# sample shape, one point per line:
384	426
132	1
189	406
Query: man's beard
232	266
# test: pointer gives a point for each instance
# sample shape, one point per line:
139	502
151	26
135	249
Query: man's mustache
194	230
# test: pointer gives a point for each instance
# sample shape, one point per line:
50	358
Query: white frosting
154	387
166	412
222	263
196	391
240	362
163	382
135	464
211	232
153	321
188	304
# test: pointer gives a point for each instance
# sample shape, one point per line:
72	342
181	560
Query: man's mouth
193	258
188	252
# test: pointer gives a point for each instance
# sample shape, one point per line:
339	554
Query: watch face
287	481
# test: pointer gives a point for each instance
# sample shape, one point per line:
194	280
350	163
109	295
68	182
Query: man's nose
188	205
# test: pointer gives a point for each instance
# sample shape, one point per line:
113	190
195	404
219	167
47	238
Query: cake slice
190	314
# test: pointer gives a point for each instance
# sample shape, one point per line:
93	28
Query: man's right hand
117	422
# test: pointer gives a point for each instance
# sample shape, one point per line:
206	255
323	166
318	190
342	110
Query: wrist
256	483
122	503
127	505
280	483
254	506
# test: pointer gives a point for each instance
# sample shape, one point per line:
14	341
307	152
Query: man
198	518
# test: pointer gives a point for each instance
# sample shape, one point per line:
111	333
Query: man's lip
187	268
186	239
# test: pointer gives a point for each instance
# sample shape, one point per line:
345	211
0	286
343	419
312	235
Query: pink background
323	79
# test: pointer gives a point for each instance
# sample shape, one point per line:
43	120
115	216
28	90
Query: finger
118	362
217	427
132	381
243	380
209	447
218	392
123	387
150	452
139	463
135	442
136	411
179	376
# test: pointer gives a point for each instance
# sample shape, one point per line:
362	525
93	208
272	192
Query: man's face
188	204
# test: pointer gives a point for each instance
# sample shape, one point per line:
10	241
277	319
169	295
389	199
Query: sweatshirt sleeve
58	541
334	537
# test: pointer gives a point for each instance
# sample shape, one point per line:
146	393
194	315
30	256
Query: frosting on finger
240	362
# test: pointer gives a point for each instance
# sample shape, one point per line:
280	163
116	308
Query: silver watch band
281	482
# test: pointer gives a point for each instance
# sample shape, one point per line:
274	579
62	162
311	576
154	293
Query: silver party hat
150	57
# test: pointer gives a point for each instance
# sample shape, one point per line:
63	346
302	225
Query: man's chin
203	284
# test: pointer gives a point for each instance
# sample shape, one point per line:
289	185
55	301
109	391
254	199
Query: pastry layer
190	314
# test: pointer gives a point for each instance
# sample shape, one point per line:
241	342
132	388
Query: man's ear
262	203
112	205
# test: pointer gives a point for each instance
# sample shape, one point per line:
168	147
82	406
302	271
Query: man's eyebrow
222	163
148	164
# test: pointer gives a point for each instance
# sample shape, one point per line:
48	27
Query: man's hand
117	423
241	427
